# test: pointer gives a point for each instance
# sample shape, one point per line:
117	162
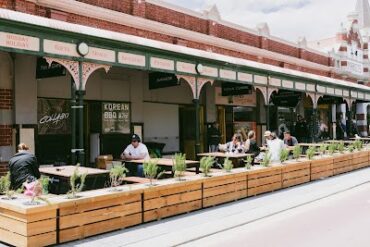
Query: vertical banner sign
53	116
116	118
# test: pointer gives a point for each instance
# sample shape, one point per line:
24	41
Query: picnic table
310	144
366	139
60	176
168	163
235	157
338	141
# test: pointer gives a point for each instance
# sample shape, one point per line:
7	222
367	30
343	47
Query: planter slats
322	168
22	227
92	216
99	227
295	174
343	164
169	200
360	160
101	211
226	188
264	180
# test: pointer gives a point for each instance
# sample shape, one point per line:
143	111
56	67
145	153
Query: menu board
116	118
53	116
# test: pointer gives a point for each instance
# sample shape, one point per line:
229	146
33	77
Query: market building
79	77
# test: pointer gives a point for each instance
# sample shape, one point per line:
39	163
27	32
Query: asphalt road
342	220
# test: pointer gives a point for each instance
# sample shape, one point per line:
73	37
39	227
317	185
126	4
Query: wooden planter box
322	168
295	173
264	180
171	199
98	212
27	225
342	164
360	159
225	187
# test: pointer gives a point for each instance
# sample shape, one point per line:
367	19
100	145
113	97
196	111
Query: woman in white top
275	146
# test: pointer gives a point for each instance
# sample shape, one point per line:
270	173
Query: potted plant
151	170
116	174
322	149
332	148
5	188
266	160
351	148
358	145
248	162
206	164
297	151
284	155
310	152
179	165
77	182
44	180
340	147
228	165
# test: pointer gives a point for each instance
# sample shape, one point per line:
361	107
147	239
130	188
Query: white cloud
287	19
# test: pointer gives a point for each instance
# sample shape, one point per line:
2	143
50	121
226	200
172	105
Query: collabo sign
116	118
53	116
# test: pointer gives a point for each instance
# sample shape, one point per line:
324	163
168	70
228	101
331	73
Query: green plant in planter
297	151
151	170
284	155
179	165
310	152
77	182
322	149
206	164
340	147
332	148
5	188
116	174
358	144
44	181
266	160
228	165
351	148
248	162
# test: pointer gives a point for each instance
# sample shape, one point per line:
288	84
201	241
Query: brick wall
6	99
5	135
182	20
3	168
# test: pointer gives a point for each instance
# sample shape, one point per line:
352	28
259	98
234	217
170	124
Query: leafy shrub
297	151
228	165
151	170
340	147
332	148
77	182
116	174
323	149
206	164
310	152
248	162
284	155
179	165
266	160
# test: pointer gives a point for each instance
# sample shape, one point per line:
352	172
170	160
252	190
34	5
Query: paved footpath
212	226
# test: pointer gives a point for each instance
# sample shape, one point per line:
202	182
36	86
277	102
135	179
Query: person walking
214	137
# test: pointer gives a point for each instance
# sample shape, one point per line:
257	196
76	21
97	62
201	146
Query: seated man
136	151
23	167
289	140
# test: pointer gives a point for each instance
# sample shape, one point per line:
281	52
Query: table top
162	162
67	171
338	141
310	144
361	139
225	155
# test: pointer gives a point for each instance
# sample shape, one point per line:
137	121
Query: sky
287	19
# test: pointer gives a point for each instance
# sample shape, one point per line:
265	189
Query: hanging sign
161	80
116	118
53	116
43	70
231	89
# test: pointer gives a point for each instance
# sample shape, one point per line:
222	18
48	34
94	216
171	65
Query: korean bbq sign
116	118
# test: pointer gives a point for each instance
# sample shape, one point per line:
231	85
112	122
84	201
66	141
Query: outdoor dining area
76	202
